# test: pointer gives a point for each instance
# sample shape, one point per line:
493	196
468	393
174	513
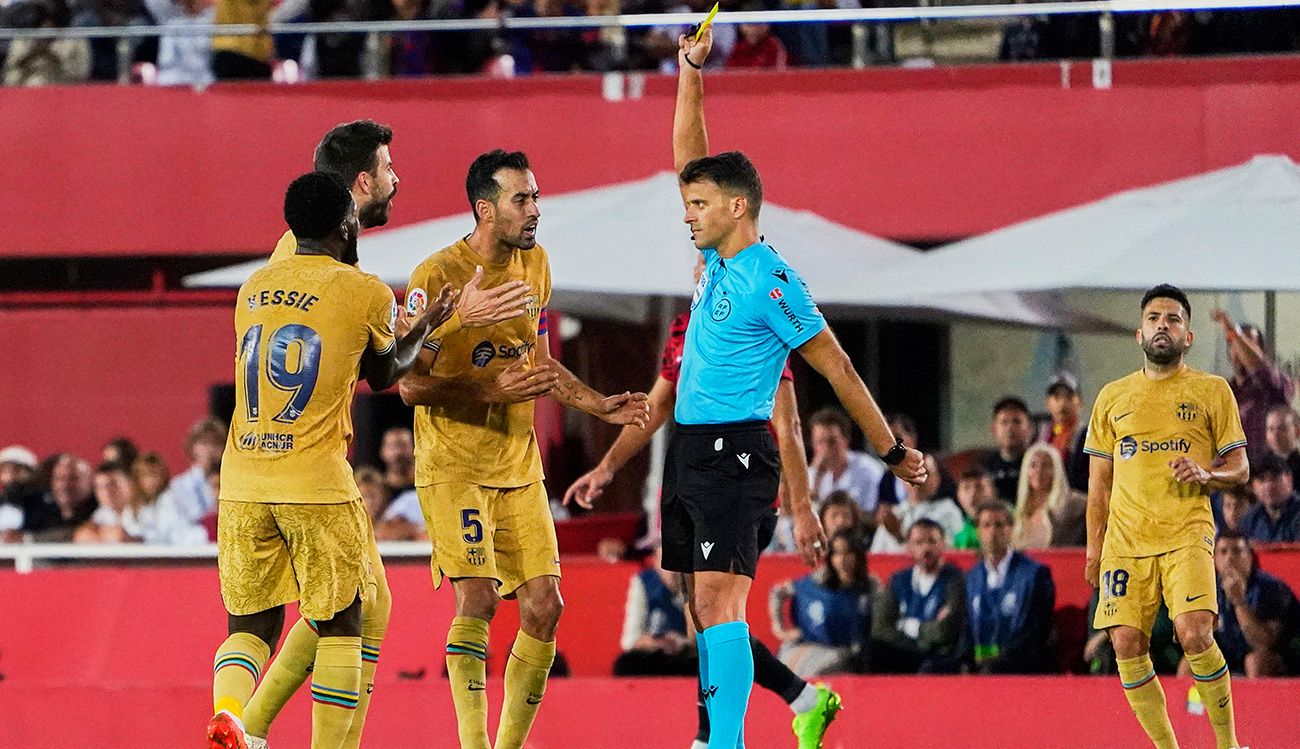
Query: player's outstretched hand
482	307
912	468
588	488
696	51
627	408
809	538
1186	471
518	383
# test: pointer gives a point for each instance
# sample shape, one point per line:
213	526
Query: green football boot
810	727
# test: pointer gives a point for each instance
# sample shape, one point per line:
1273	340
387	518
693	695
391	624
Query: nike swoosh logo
476	689
1193	598
532	701
1127	413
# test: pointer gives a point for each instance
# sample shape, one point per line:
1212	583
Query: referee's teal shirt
746	315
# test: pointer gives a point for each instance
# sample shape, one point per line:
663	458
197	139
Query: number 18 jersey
302	325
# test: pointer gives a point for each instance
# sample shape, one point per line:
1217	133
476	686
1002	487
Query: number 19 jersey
302	325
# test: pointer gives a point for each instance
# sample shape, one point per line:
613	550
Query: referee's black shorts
719	489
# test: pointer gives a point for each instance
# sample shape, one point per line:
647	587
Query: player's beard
523	240
1171	354
376	214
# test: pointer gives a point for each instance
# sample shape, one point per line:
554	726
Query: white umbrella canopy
615	249
1234	229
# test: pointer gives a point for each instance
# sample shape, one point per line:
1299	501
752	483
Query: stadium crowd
1026	493
179	59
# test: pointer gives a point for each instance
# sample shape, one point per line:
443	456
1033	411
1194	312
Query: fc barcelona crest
1187	411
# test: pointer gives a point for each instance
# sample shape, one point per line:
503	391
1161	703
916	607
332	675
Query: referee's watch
896	453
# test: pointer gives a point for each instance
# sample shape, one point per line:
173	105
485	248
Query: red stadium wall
929	154
122	641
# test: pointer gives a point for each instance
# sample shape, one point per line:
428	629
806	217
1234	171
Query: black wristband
895	454
692	64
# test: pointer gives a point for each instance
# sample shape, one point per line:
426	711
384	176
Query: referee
750	309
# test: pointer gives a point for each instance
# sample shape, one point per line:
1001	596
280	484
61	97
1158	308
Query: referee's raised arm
690	140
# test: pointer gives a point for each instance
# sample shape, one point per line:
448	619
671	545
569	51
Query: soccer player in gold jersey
1160	440
292	526
478	469
358	153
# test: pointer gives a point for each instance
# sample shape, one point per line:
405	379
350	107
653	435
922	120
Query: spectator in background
183	59
892	489
120	450
1067	429
374	492
1012	431
1257	612
829	611
756	47
1280	433
17	466
836	468
41	62
1233	506
411	53
474	52
242	57
974	488
1258	383
838	512
191	492
1010	600
552	50
918	618
338	55
156	517
66	504
397	452
894	521
607	47
1276	518
1048	511
655	640
114	519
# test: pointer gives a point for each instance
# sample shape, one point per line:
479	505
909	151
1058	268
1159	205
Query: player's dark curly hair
481	184
351	148
733	172
316	204
1166	291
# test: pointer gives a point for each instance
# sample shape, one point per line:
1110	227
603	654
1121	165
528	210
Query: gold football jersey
301	327
489	444
1142	424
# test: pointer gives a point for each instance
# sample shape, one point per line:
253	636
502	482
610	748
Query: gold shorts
270	554
480	531
1131	587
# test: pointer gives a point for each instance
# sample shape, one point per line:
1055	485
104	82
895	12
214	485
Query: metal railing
859	16
28	556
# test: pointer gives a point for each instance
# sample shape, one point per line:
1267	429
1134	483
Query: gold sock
335	689
375	610
1215	686
238	663
526	673
1147	699
291	667
467	675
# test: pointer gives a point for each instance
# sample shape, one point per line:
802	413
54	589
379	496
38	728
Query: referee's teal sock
705	705
729	679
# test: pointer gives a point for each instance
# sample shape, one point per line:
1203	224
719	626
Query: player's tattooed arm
1100	473
625	408
383	370
631	440
690	139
